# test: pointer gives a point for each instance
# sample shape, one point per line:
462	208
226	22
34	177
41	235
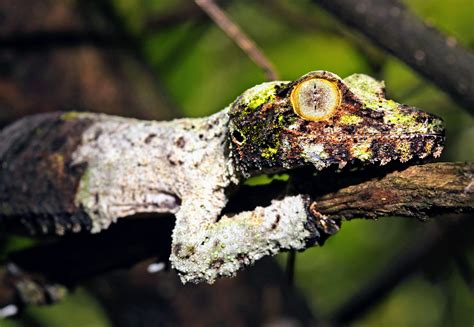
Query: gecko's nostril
238	137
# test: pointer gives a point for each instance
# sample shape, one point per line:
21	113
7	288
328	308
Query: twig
465	269
239	37
179	14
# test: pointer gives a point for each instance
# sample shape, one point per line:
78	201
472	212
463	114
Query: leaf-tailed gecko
98	168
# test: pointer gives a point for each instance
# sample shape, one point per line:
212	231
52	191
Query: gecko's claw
325	225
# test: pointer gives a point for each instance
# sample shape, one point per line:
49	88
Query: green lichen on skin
261	132
396	117
71	115
269	152
365	85
406	123
275	137
403	147
350	119
362	151
259	95
370	91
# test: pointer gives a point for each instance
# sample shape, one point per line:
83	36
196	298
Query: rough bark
419	191
396	29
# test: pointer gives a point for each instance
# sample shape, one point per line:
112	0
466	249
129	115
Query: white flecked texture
221	249
144	166
182	167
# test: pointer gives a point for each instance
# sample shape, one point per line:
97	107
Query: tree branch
181	13
393	27
419	191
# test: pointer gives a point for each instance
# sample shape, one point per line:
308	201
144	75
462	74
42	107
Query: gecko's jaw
406	147
411	134
423	138
413	121
404	136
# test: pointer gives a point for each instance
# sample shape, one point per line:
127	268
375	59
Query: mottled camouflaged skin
267	135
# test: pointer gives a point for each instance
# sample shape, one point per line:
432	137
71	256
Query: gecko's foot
222	248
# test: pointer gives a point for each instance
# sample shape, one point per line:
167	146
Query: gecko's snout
413	133
417	121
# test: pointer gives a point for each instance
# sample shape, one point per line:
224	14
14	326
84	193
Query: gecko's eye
315	99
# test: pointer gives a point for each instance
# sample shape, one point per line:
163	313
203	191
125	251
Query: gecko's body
188	167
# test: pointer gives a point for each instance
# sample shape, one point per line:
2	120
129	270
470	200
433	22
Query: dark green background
204	71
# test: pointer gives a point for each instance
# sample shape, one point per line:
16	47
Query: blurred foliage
203	71
78	309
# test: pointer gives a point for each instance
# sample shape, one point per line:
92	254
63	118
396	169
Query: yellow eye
315	99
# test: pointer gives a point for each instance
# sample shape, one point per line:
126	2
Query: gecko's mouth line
391	136
399	136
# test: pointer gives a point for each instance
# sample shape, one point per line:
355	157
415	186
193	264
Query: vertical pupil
316	95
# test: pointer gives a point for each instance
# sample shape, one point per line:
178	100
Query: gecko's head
321	119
